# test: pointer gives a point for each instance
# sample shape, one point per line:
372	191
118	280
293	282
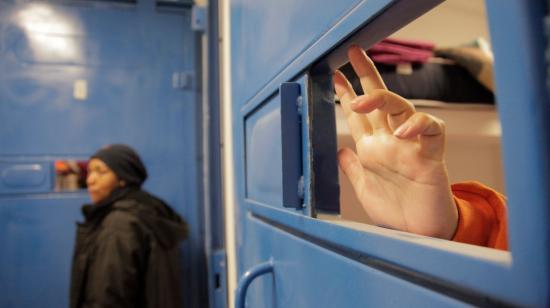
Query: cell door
76	76
294	249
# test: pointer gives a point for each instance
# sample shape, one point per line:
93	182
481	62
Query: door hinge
183	80
219	279
199	16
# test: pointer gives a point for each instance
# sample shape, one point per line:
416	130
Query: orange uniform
481	215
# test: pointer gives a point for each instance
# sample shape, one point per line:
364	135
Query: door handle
291	144
247	278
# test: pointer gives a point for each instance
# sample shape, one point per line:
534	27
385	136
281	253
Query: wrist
453	221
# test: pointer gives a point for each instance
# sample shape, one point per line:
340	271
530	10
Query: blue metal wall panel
263	152
306	275
99	45
519	44
516	278
37	236
131	56
367	12
267	36
471	267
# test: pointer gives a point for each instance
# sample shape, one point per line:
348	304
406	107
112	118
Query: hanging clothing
433	81
394	51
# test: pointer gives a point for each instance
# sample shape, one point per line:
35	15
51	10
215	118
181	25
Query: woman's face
101	180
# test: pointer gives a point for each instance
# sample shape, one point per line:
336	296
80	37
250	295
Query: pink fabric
397	51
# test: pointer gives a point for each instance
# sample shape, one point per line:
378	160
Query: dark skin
398	173
101	180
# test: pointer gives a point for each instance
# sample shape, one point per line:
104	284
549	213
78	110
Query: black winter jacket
126	253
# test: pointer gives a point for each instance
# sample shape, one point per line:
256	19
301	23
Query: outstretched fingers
429	129
370	80
358	123
365	69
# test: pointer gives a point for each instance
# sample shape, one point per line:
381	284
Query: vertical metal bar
214	212
291	144
322	132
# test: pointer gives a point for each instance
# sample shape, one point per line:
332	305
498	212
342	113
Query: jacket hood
165	224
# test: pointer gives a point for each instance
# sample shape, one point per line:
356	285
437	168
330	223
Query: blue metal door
73	77
289	258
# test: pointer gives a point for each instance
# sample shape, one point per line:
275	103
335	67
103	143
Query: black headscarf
125	163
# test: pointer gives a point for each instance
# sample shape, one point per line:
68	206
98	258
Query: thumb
351	165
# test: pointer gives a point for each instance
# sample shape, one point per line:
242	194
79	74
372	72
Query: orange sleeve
481	215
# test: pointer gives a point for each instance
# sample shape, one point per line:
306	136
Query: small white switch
80	90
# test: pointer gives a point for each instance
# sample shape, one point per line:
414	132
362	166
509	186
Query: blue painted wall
128	54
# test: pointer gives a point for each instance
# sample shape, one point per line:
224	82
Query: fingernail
400	131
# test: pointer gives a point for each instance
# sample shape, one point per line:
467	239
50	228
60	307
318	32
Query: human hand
398	173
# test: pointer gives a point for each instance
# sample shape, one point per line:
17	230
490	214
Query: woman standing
126	252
